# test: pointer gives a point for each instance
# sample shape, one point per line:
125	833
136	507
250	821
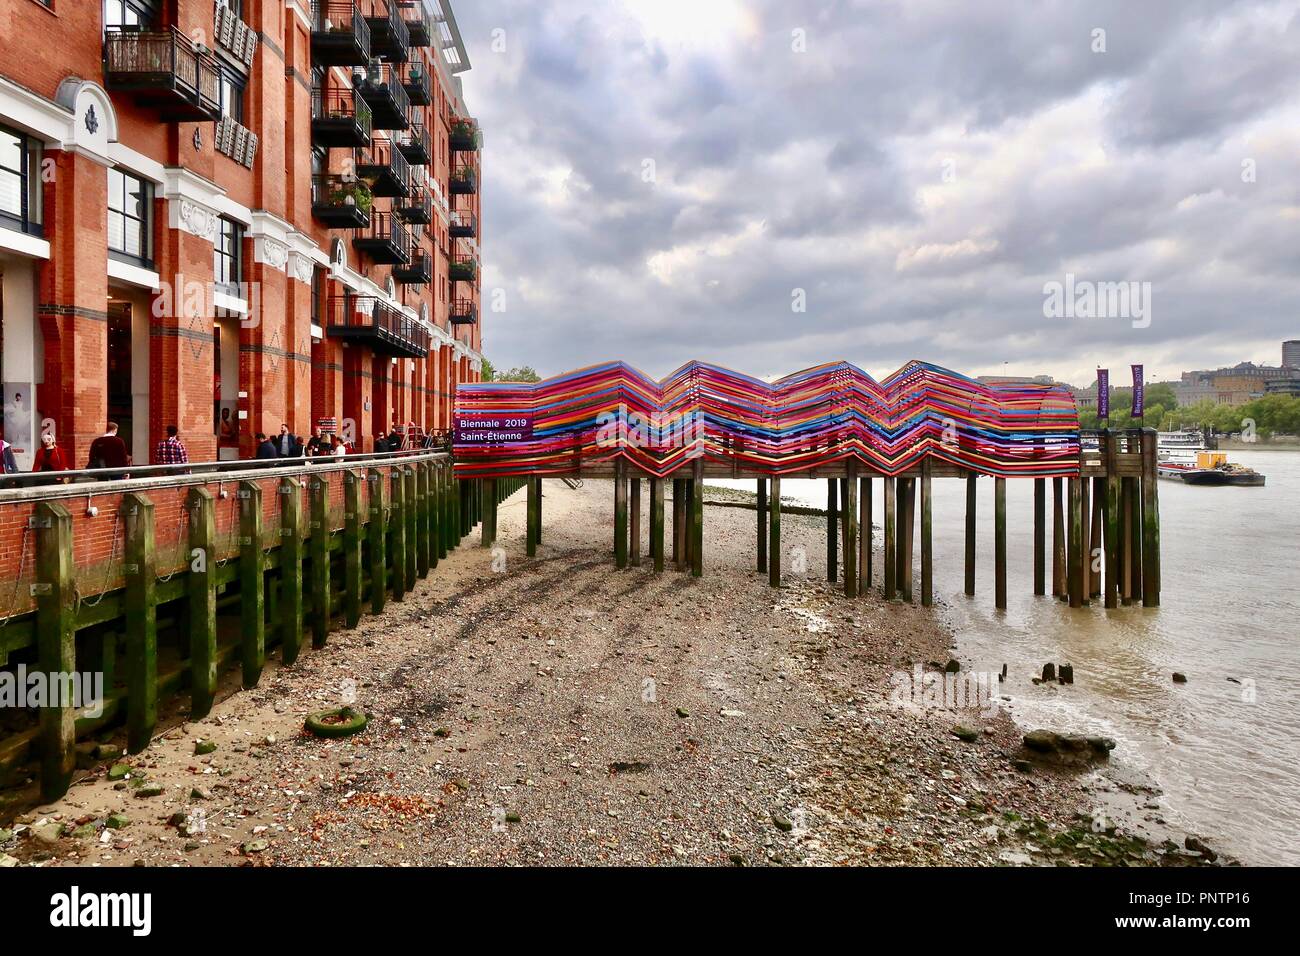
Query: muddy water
1225	746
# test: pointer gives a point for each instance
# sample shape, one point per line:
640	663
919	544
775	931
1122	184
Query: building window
226	265
230	91
318	296
136	14
20	182
130	207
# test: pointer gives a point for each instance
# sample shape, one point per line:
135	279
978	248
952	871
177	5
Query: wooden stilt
679	523
906	531
657	524
1135	490
832	532
1059	574
1075	582
530	523
697	520
1126	540
142	616
971	505
1096	537
762	525
397	532
541	496
927	538
201	586
352	541
411	517
634	526
1111	521
620	515
56	649
377	547
1040	536
850	497
320	560
1085	545
891	544
687	506
488	532
774	535
1150	522
866	537
1000	543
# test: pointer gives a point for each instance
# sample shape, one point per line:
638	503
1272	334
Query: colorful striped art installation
822	416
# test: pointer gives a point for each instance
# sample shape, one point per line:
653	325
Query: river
1225	746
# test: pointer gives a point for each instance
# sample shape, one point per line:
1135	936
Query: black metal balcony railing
414	144
462	268
464	136
417	209
463	225
341	202
464	180
464	311
418	26
166	71
339	118
419	271
340	35
389	35
385	240
381	87
370	321
415	80
383	168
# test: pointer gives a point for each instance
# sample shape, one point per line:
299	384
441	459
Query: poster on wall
20	422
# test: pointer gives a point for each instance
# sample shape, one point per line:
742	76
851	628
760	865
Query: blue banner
1103	393
1139	393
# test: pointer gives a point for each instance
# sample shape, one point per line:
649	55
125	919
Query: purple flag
1103	393
1139	393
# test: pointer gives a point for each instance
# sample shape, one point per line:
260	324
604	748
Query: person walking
265	448
109	451
50	456
171	451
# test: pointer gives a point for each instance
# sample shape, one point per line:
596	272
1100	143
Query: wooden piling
1000	543
352	538
55	643
927	539
434	511
657	524
762	525
832	533
774	535
679	523
620	515
410	515
319	549
291	548
201	590
377	546
906	518
422	539
397	533
1040	536
1150	522
1085	542
1074	583
697	519
1111	520
530	523
1126	540
866	537
1058	538
891	545
142	620
1097	537
971	505
634	522
850	498
488	531
252	584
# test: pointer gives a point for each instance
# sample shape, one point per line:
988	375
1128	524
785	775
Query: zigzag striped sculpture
817	417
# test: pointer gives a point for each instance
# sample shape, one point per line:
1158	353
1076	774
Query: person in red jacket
50	457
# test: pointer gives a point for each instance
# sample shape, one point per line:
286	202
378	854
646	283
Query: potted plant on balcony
354	193
463	174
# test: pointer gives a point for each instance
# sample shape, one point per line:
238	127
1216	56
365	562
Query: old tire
343	722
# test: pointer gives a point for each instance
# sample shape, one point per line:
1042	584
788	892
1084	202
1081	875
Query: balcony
465	136
386	240
418	27
463	312
383	168
414	144
462	268
166	71
463	225
419	271
340	35
370	321
339	118
415	80
417	210
464	180
381	87
341	203
389	36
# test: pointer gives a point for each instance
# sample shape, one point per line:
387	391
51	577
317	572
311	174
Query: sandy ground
557	711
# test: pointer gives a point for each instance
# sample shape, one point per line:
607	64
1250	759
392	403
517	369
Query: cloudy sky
672	179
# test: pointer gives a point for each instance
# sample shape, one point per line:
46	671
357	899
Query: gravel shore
556	711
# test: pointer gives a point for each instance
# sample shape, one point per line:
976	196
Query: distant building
1237	385
1291	353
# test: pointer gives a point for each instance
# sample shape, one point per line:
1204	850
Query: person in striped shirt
170	450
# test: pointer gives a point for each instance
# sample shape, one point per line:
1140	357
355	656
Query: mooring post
142	620
1000	543
56	647
866	536
201	588
352	548
1150	522
1135	445
891	544
774	535
697	519
397	532
762	525
1110	515
1085	509
1126	540
657	524
378	547
320	560
530	523
927	539
488	531
1040	536
832	531
1133	540
1058	538
850	489
1075	582
620	515
634	522
971	505
1097	537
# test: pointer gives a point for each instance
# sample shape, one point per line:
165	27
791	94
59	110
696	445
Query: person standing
108	450
314	444
7	460
50	456
171	451
265	448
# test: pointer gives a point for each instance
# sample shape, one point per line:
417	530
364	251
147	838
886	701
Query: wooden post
866	537
620	515
1058	538
56	646
688	524
252	584
434	527
1096	536
1085	546
657	524
1132	542
1150	522
1075	582
397	532
971	505
1111	513
1135	446
1126	540
320	560
1000	543
774	535
927	539
906	517
1040	536
541	497
634	525
411	515
201	587
832	532
378	546
697	520
488	533
850	496
422	539
142	620
530	523
762	525
891	543
352	548
290	569
679	523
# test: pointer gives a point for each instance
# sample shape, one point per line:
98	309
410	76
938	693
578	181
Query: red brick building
233	214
